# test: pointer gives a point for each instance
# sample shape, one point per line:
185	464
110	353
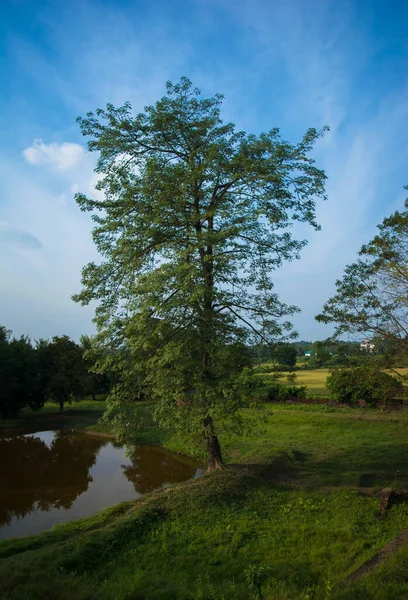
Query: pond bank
287	510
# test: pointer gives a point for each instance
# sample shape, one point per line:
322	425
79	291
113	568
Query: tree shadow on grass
233	484
382	466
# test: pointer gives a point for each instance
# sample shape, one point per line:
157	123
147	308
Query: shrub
275	368
278	392
363	383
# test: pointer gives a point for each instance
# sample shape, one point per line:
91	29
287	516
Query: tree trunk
207	332
213	446
61	405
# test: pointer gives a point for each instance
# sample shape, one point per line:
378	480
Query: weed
255	577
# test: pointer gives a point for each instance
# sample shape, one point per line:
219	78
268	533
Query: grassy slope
293	500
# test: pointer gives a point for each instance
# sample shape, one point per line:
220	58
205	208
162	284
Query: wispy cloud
46	240
18	237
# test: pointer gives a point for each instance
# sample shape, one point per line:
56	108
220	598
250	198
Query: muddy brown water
50	477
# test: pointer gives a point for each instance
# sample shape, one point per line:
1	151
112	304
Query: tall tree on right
372	297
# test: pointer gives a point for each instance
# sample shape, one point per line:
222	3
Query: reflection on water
38	476
52	477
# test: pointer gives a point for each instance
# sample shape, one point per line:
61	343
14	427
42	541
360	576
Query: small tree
195	218
372	296
64	374
291	377
285	354
321	355
364	383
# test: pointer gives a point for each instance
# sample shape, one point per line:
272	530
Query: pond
50	477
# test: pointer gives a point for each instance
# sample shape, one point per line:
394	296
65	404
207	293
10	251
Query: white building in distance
367	346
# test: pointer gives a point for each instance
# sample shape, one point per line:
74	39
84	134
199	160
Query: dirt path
390	548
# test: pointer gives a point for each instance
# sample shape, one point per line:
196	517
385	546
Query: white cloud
62	157
74	168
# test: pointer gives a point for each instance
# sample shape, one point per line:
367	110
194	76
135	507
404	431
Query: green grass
296	504
388	580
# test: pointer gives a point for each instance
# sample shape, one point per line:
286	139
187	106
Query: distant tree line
284	354
56	370
62	371
382	352
338	353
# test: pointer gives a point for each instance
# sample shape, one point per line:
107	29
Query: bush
363	383
276	368
278	392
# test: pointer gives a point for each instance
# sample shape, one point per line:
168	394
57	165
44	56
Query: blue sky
292	64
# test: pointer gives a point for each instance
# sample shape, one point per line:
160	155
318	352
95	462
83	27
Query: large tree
372	297
195	218
19	375
97	383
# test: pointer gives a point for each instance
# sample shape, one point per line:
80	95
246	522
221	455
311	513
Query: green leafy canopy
372	297
195	217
